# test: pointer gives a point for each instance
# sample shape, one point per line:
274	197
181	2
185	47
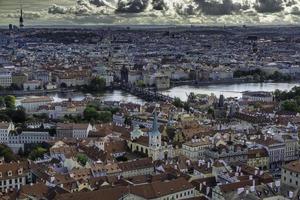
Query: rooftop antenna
21	21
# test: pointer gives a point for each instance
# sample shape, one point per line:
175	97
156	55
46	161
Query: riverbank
19	93
219	82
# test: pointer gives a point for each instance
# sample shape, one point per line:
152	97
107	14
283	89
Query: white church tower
155	140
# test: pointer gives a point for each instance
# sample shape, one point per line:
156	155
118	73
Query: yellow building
258	158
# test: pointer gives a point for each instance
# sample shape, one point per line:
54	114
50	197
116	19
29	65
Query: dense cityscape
65	135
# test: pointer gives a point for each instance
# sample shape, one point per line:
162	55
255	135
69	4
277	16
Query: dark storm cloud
291	3
186	10
226	7
159	5
131	6
97	3
295	11
269	6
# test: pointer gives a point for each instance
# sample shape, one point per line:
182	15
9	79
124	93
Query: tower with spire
155	139
21	20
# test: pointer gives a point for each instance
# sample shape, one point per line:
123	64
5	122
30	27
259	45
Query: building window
9	173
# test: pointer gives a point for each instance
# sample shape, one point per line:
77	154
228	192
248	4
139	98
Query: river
228	90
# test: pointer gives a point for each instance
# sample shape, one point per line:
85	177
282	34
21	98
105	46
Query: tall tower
21	20
155	139
221	101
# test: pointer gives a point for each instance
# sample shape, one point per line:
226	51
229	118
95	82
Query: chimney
240	190
261	172
207	190
277	183
271	184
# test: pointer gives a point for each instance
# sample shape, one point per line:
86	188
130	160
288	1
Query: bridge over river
145	93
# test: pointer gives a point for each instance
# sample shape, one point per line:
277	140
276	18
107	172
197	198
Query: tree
97	85
21	152
82	159
170	132
90	113
211	113
257	105
7	153
37	152
186	106
14	86
140	83
10	101
2	102
127	120
4	117
63	85
105	116
19	115
177	102
290	105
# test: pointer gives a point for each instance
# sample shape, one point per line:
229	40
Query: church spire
155	123
21	21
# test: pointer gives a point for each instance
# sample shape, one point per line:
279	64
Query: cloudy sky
205	12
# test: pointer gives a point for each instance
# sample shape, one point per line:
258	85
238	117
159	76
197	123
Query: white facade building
32	85
258	96
290	174
194	150
5	129
5	79
31	104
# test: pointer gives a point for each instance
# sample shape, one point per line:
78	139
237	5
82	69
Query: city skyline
151	12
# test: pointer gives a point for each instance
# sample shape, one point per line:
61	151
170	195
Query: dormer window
20	171
9	173
0	174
